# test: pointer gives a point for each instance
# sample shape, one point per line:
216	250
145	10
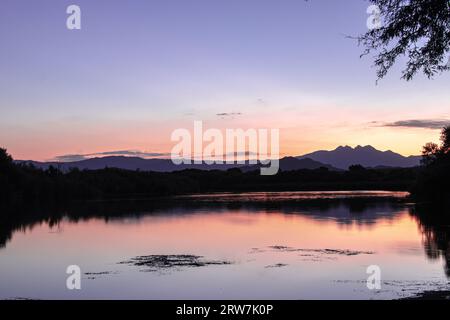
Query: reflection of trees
345	211
362	211
21	219
434	224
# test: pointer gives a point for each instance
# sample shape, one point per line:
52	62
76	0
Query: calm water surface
302	245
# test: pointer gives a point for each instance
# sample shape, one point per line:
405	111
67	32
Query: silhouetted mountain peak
365	148
340	158
343	148
166	165
368	156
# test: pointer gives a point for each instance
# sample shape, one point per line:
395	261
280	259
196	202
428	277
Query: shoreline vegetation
23	183
431	295
30	196
31	185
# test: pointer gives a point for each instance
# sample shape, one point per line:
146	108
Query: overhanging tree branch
416	29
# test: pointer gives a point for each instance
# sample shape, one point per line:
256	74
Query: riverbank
430	295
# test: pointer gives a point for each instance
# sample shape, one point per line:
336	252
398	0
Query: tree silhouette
433	153
417	29
430	153
445	140
23	184
5	159
434	181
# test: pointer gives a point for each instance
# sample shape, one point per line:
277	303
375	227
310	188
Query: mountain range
339	159
367	156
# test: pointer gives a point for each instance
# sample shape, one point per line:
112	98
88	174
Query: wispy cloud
128	153
228	114
418	123
135	153
70	158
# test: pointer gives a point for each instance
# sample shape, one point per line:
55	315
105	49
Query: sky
140	69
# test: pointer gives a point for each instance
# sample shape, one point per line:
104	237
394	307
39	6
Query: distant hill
128	163
339	159
292	163
367	156
166	165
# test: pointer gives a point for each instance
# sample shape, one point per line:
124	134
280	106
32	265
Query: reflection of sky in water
33	263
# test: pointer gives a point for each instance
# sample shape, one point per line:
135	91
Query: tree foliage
434	180
416	29
434	153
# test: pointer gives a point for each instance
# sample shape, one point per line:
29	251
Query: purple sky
139	69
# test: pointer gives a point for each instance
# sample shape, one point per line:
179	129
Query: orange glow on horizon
150	136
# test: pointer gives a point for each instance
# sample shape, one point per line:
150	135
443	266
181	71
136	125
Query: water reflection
319	234
434	224
346	208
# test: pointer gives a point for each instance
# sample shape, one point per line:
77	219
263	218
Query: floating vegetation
283	248
277	265
94	275
344	252
256	250
97	273
168	262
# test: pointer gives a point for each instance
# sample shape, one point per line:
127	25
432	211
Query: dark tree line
24	184
433	181
21	183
